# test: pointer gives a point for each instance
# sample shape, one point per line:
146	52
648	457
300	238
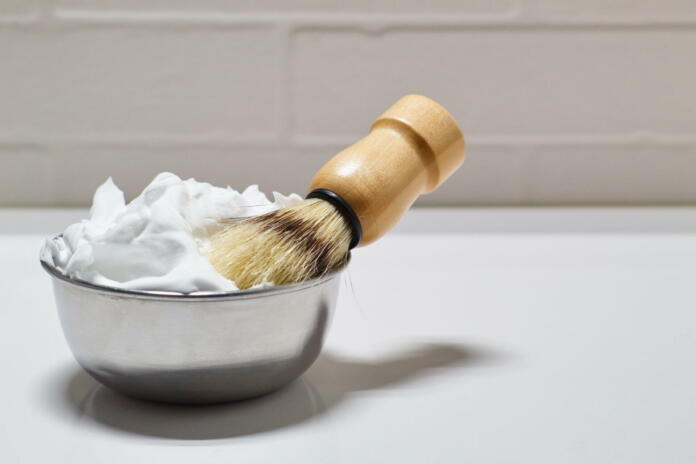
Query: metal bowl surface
195	348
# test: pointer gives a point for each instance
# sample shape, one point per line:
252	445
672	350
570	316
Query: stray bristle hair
293	244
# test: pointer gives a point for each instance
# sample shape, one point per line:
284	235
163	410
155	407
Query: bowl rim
262	292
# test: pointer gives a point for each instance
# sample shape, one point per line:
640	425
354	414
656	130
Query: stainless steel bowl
200	348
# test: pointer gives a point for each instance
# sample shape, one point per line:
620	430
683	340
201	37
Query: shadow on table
328	382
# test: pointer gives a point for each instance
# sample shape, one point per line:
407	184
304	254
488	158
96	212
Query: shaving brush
354	199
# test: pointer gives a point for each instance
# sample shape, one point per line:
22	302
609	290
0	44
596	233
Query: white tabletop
484	336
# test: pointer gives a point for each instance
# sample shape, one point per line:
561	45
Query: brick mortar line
37	142
533	140
449	24
283	104
328	21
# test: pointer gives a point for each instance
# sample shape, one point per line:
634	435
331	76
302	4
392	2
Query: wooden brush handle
411	149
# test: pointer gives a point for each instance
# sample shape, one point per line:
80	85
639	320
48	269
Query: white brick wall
562	101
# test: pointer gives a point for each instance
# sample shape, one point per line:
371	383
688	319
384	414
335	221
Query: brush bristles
289	245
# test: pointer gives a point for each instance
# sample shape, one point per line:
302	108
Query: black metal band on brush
344	208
